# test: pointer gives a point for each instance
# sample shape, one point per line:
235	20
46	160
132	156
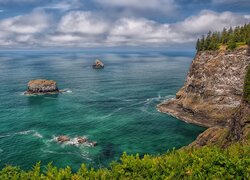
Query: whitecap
22	93
159	98
1	150
3	136
24	132
66	91
36	134
112	113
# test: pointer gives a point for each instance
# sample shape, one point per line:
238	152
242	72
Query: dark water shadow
34	100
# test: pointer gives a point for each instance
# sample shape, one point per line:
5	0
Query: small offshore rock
98	64
81	140
42	86
63	139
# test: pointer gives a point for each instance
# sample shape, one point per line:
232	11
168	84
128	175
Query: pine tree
232	38
198	45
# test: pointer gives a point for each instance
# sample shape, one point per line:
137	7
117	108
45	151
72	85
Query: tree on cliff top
230	38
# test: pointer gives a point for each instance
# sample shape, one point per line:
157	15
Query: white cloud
35	22
82	22
23	29
209	20
134	31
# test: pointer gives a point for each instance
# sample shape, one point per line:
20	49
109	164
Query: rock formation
98	64
75	141
81	140
212	96
62	139
42	86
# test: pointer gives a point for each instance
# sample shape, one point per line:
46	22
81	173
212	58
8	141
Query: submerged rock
42	86
98	64
94	143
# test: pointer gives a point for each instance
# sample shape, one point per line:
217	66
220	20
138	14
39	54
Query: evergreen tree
231	38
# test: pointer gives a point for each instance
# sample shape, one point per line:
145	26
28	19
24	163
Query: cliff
212	96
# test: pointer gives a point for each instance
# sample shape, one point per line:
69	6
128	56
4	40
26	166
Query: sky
37	24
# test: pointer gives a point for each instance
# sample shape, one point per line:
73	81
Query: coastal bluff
212	95
42	86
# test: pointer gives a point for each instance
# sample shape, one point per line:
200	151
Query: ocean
114	106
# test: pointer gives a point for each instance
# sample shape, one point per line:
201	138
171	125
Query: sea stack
42	86
98	64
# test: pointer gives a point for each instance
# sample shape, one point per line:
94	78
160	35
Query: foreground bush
207	162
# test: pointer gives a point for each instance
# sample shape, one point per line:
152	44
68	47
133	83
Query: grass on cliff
206	162
247	86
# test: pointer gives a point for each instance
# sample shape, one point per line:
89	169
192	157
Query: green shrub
231	45
203	163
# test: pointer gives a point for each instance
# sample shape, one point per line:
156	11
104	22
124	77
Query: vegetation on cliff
247	86
231	38
202	163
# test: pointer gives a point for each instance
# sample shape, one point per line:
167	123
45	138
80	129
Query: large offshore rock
42	86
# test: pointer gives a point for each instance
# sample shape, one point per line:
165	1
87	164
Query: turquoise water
114	106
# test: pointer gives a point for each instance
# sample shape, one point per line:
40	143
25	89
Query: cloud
36	21
162	6
135	31
89	29
79	28
17	1
232	2
209	20
82	22
140	31
64	5
23	28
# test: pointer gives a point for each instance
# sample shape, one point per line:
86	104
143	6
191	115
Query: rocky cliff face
212	95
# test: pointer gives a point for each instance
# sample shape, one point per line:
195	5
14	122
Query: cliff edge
212	96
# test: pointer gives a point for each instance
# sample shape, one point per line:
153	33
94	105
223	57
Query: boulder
81	140
42	86
98	64
62	139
